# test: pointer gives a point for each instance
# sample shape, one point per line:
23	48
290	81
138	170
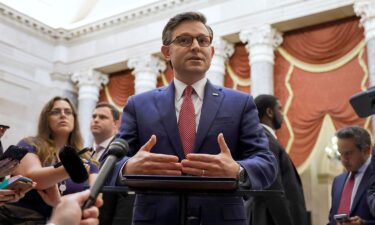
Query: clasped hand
147	163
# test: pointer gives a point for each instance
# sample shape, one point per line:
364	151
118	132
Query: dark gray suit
289	209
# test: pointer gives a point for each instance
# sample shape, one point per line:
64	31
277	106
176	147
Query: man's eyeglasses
187	40
58	112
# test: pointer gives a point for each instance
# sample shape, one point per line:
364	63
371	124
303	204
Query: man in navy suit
117	207
354	145
226	141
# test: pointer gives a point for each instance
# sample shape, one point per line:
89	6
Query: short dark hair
263	102
361	136
114	111
178	19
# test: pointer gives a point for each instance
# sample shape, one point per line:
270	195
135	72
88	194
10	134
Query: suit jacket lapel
270	136
105	153
211	104
165	102
363	186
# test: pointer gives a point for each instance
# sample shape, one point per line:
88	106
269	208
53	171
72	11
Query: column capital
149	64
261	43
366	10
261	35
90	77
223	48
146	71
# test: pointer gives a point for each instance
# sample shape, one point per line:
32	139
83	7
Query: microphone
116	150
73	164
81	152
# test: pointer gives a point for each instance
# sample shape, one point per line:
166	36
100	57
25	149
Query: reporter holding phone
349	189
57	126
7	166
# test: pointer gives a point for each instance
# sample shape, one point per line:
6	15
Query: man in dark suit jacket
288	209
354	145
227	139
117	207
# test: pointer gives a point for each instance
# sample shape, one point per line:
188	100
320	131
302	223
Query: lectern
184	186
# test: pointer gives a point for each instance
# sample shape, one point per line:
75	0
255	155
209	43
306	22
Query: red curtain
239	62
315	94
119	88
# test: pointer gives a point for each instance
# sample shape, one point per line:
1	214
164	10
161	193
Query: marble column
223	50
366	10
261	43
89	83
146	71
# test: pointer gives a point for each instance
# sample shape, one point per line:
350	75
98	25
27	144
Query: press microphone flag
116	150
73	164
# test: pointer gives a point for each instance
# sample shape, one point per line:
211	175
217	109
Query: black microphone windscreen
73	164
118	147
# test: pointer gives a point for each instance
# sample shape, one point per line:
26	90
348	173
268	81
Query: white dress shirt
269	129
99	148
358	178
196	97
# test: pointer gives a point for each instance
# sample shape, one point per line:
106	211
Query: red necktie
346	195
186	122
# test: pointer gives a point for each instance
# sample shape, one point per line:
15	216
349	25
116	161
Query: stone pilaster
365	9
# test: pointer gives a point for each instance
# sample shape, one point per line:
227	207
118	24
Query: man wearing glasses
193	128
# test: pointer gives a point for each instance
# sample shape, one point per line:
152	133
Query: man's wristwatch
241	176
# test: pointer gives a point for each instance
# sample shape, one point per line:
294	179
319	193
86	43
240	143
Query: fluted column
261	43
89	83
146	71
223	50
366	10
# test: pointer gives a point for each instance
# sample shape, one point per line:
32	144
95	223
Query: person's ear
212	51
165	51
269	113
368	150
117	124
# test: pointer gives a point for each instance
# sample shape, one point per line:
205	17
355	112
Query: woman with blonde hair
58	126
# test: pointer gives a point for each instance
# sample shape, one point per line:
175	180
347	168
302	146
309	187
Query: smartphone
14	153
17	183
341	218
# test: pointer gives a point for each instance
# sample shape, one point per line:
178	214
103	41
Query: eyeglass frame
192	40
60	112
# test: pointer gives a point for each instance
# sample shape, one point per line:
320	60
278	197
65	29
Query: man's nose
195	43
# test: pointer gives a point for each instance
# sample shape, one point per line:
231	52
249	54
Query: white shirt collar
105	143
198	88
269	129
363	168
